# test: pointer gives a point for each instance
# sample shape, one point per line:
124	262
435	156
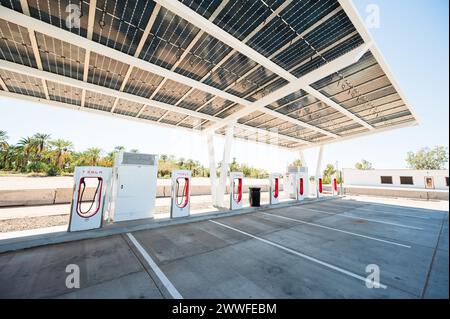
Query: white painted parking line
363	218
164	280
378	211
323	263
407	208
338	230
393	214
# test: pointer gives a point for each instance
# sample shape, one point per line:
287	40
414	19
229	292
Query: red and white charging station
87	209
319	185
236	187
302	183
334	186
274	188
181	197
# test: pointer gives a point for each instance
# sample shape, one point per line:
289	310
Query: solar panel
120	24
301	37
61	57
22	84
15	45
64	93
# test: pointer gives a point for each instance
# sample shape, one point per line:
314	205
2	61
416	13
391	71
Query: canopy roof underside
290	73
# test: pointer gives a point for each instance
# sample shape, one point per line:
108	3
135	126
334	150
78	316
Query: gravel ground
9	225
28	223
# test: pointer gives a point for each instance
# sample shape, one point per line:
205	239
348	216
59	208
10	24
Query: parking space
323	249
108	269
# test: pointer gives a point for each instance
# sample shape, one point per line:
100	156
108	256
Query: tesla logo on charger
92	172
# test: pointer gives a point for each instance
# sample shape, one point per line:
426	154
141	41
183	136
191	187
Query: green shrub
53	171
37	167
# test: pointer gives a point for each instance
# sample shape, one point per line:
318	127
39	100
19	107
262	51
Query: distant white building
397	178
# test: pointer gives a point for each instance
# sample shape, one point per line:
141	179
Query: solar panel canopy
295	74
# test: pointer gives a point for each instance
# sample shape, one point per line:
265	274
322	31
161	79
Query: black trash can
254	196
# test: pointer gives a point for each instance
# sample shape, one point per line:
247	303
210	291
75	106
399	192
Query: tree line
42	155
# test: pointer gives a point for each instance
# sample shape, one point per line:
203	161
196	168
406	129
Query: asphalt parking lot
324	249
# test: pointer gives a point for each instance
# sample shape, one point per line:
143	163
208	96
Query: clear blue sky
413	37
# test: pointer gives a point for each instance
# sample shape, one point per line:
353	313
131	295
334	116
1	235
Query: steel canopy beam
66	36
354	17
272	134
336	106
44	75
231	53
22	69
337	64
87	54
53	103
183	55
141	43
34	46
200	22
363	134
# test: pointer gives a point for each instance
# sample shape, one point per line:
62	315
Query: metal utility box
134	186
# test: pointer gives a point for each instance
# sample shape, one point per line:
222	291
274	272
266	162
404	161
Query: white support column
319	165
302	157
221	187
319	160
212	167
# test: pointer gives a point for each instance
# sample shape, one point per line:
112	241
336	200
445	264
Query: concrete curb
50	196
13	244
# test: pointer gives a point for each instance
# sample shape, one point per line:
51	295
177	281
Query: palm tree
134	150
181	163
92	155
328	173
189	164
108	160
28	147
7	157
41	141
62	149
16	156
3	140
364	165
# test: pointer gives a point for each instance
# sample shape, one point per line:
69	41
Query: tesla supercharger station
236	187
292	183
87	208
134	186
319	185
334	186
274	188
180	193
302	185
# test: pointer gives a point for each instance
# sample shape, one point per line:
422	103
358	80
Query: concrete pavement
318	250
